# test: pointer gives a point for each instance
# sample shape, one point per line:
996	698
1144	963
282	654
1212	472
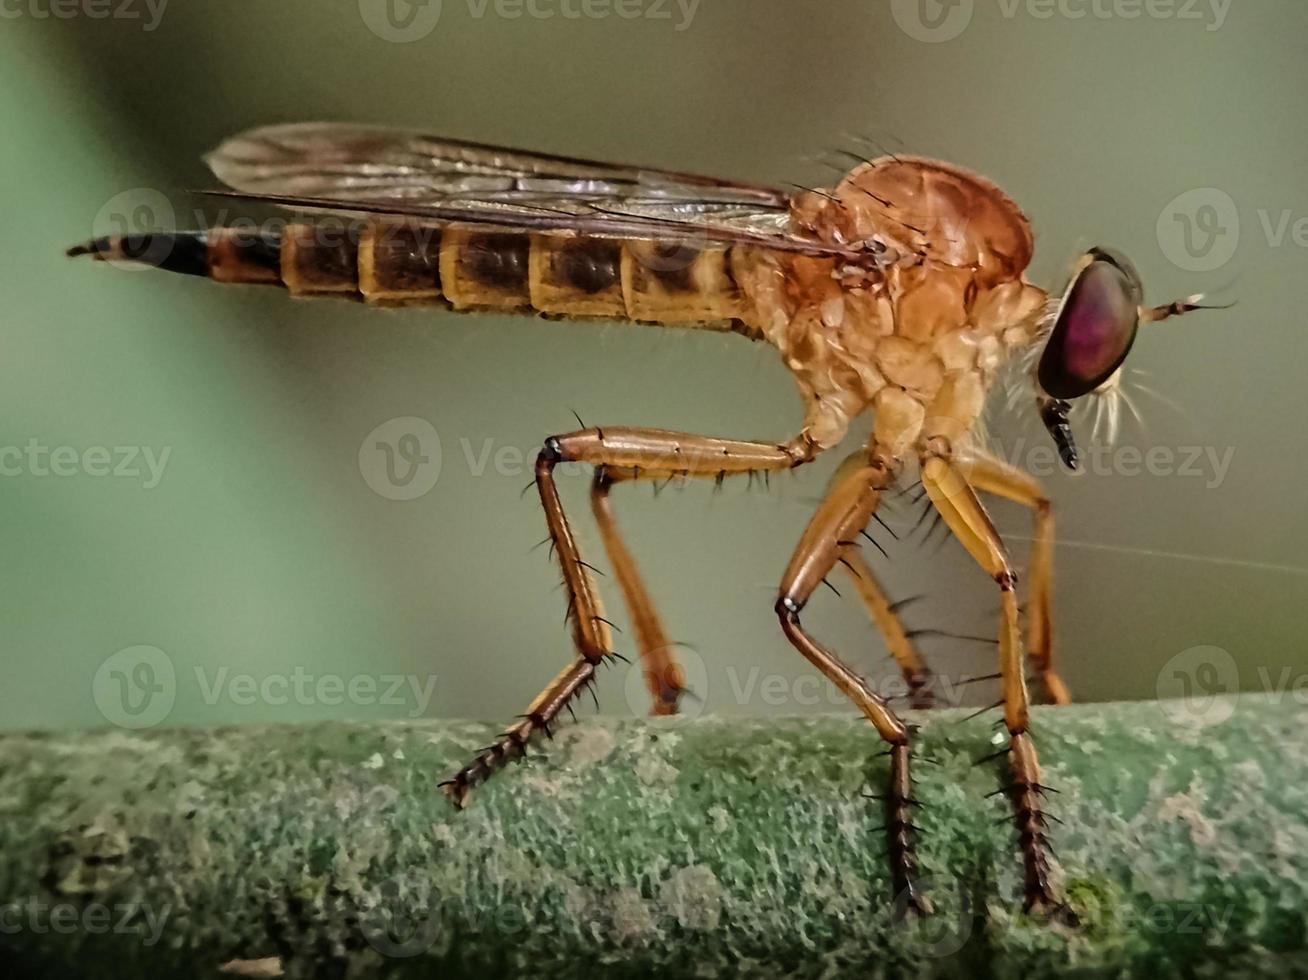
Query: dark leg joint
788	610
550	454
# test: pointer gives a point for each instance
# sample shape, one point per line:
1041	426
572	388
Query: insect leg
916	673
513	741
956	500
884	613
991	475
829	538
663	674
647	451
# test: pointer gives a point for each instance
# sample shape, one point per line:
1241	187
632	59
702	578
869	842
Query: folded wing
371	170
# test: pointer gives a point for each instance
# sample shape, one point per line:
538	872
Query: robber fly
901	290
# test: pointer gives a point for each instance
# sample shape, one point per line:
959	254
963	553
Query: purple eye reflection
1095	329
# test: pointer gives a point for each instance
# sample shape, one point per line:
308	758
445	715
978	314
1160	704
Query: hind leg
632	451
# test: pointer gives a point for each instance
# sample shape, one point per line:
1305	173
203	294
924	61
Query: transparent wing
373	170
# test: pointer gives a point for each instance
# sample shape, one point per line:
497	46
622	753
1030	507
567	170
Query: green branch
629	849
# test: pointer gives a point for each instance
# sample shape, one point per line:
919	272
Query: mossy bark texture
629	848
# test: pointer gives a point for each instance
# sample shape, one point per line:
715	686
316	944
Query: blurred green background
261	555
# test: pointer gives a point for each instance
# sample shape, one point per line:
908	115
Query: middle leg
663	674
917	675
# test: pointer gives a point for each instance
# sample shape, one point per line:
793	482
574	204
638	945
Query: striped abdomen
463	267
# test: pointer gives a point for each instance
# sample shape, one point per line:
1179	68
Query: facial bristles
1178	308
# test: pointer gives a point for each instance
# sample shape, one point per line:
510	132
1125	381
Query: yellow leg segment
830	538
956	499
991	475
917	675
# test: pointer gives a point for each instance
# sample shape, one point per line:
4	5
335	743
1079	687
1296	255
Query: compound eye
1095	329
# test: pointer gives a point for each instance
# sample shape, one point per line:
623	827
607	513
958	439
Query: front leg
830	538
624	451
